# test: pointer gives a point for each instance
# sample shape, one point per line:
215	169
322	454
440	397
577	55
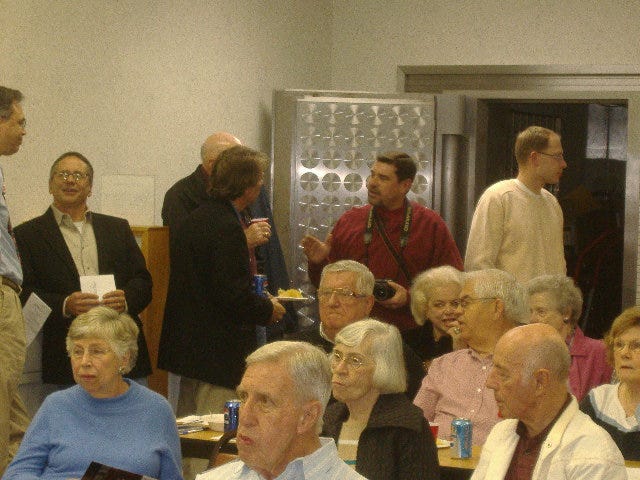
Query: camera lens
382	290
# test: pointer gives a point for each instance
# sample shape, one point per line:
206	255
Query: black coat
50	272
396	443
189	193
413	364
421	340
211	310
182	198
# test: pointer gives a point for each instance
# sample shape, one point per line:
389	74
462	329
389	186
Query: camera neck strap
374	219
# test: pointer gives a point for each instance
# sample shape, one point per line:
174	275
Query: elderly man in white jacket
545	436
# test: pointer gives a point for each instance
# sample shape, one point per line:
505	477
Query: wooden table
457	468
200	444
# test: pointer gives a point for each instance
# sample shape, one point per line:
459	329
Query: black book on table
99	471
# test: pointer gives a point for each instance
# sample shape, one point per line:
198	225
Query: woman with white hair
375	426
435	298
105	417
557	301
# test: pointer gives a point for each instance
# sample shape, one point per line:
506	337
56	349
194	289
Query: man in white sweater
545	436
518	225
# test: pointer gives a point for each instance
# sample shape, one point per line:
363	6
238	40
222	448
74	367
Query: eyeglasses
466	301
95	353
77	176
342	294
634	346
352	360
557	156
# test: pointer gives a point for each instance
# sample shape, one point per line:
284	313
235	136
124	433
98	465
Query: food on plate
290	293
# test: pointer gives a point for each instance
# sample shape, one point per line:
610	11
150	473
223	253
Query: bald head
213	146
538	345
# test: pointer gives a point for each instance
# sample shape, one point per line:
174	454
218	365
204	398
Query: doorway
591	191
482	86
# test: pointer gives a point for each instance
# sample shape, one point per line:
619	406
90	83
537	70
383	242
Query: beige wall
137	86
372	37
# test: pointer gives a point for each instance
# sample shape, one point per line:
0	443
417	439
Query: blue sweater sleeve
135	432
33	454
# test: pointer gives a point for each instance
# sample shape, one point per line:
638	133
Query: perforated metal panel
336	142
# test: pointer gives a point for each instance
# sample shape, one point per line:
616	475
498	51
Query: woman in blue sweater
104	418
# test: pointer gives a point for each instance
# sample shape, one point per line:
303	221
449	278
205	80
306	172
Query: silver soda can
461	437
231	410
260	284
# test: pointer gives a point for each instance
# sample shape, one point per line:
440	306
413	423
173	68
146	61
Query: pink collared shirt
455	387
589	366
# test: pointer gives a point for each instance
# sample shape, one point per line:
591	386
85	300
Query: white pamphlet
35	312
98	284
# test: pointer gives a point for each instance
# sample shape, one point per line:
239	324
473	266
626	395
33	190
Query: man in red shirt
395	238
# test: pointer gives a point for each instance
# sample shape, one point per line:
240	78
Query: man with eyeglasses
518	225
345	295
395	238
491	303
69	241
13	415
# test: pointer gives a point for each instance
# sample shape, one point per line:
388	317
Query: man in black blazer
211	310
69	241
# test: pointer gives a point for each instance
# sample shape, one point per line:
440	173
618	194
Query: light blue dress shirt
323	464
9	261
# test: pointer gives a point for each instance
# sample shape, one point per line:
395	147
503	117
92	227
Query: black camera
382	290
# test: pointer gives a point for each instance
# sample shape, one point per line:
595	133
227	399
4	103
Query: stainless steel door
334	142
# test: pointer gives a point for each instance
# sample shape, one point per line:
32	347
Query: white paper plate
292	299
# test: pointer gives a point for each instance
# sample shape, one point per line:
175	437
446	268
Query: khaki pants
200	398
13	414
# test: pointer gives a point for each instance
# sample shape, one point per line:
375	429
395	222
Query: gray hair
385	345
494	283
364	278
566	295
7	97
307	364
118	329
424	285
